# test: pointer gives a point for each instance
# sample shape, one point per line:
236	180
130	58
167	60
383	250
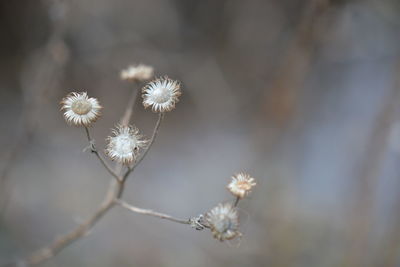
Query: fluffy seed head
79	109
161	94
241	184
223	221
138	73
125	144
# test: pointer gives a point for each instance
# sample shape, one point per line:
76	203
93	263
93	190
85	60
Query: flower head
161	94
125	144
241	184
79	109
223	221
137	73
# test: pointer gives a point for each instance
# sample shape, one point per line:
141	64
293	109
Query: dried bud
241	185
138	73
223	221
125	144
161	94
80	110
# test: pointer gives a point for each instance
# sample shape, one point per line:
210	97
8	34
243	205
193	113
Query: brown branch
367	180
150	212
81	231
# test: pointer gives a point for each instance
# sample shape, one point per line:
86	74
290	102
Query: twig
236	201
150	212
94	150
126	119
129	108
144	153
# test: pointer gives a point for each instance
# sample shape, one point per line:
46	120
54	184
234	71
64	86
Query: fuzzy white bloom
241	184
137	73
125	144
223	221
79	109
161	94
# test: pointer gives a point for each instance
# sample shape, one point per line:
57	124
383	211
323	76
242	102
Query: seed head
79	109
241	184
138	73
125	144
223	221
161	94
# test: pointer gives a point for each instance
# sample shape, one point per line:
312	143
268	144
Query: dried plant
128	148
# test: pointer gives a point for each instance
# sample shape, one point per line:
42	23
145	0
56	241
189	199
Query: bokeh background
302	94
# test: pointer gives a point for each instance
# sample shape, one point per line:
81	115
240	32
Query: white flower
241	184
125	144
137	73
223	221
79	109
161	94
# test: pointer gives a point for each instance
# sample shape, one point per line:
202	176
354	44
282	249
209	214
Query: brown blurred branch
40	73
362	209
281	97
81	231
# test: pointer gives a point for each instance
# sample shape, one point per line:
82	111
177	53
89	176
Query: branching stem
112	197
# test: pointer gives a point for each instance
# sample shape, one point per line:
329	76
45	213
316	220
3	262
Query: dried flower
161	94
241	184
79	109
223	221
137	73
125	144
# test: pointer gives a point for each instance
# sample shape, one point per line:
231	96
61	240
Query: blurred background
302	94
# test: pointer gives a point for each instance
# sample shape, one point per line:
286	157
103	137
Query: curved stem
150	212
102	161
144	153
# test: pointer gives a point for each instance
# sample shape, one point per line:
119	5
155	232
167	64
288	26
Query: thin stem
150	212
129	108
102	161
236	201
126	119
144	153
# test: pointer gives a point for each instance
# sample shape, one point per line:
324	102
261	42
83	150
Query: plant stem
236	201
150	212
144	153
82	230
102	161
